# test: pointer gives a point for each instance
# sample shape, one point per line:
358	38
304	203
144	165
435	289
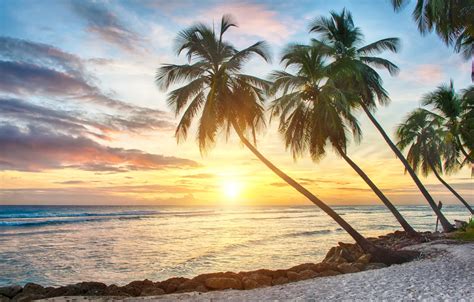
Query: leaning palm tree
314	112
466	125
449	105
428	141
341	40
451	20
224	98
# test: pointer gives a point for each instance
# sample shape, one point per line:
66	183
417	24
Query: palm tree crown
422	132
342	41
450	106
216	87
312	110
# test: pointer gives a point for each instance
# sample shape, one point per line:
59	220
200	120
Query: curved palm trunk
463	151
405	225
380	254
447	227
451	189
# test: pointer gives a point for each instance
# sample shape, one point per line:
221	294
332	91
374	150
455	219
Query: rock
302	267
26	297
375	265
308	274
330	253
10	291
280	280
223	283
249	283
152	291
347	268
33	288
4	299
30	292
172	284
135	288
69	290
293	276
364	258
261	279
114	290
329	273
92	288
360	266
190	285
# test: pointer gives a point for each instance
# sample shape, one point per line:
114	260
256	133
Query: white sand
448	275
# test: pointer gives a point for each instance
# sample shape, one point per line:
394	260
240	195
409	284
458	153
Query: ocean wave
86	214
308	233
36	223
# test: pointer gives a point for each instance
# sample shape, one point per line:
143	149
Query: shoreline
343	259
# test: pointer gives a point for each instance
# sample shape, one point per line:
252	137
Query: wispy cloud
106	25
427	74
41	70
37	149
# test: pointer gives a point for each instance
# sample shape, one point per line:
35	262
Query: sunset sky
82	122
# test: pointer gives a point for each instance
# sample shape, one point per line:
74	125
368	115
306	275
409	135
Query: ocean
60	245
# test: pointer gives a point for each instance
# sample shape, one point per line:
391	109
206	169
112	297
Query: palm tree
449	104
466	125
451	20
428	141
341	40
314	112
227	99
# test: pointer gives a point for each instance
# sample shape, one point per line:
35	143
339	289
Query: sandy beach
446	272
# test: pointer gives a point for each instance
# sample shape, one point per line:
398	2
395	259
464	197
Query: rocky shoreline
342	259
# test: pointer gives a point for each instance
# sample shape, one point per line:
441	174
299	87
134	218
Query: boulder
27	297
365	258
152	291
33	288
116	291
10	291
308	274
191	285
302	267
375	265
249	283
262	280
4	299
92	288
347	268
135	288
172	284
223	283
69	290
280	280
293	276
329	273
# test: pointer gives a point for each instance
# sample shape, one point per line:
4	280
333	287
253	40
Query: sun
231	188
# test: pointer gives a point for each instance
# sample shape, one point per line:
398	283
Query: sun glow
231	188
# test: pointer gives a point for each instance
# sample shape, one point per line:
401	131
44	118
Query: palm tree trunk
405	225
447	227
451	188
380	254
463	151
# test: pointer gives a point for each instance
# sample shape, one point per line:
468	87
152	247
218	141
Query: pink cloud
253	20
425	73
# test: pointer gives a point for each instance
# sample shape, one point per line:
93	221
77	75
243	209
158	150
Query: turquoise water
59	245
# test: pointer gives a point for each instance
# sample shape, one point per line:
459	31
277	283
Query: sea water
60	245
